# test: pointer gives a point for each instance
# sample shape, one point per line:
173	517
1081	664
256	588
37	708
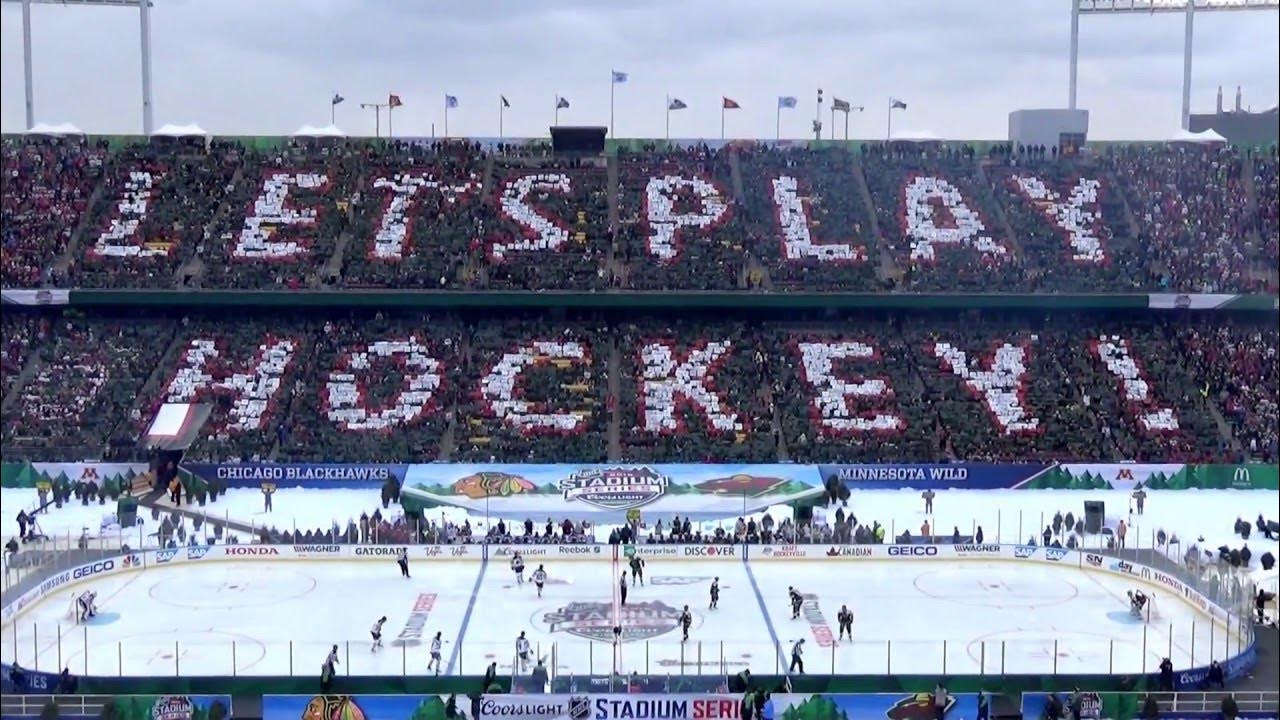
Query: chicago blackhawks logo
594	620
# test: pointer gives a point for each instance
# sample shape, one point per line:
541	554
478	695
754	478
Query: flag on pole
561	103
786	102
676	104
505	104
394	101
841	105
619	77
336	99
450	101
896	104
730	104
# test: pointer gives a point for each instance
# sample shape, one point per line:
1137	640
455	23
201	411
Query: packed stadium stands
47	186
744	218
365	386
457	215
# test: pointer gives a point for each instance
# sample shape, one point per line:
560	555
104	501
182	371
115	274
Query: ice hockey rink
282	617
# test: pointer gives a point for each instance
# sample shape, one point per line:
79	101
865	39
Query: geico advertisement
611	707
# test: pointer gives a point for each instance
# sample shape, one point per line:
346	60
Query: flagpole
557	120
333	109
846	125
888	126
611	84
721	118
446	117
777	123
501	108
668	120
833	121
390	133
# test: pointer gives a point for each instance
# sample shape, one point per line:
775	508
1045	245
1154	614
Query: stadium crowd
458	215
382	386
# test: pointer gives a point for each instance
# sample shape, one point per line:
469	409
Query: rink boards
534	554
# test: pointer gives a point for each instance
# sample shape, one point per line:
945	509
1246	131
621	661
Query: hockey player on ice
85	605
436	642
403	562
715	594
376	632
1137	601
845	619
517	567
796	601
523	652
539	578
686	619
637	569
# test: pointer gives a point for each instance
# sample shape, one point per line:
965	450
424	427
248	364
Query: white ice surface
1005	515
245	615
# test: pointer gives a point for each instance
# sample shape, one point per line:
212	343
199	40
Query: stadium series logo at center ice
594	620
615	488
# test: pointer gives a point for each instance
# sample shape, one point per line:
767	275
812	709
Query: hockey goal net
73	608
1151	612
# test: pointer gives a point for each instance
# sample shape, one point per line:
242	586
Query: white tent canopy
1205	137
189	130
65	128
313	131
915	136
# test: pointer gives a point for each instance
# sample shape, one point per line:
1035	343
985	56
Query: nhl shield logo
579	707
594	620
615	488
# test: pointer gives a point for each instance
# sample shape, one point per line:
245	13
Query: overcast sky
268	66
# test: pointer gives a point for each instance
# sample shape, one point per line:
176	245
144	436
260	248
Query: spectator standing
1230	711
268	489
1166	674
939	701
928	496
539	677
1150	708
1216	676
1121	530
67	683
328	669
1139	497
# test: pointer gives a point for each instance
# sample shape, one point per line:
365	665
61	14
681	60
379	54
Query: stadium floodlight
1188	7
144	19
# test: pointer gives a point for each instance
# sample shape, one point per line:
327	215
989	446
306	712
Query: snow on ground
1009	516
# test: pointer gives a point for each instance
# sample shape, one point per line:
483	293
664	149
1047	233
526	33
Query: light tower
1188	8
144	20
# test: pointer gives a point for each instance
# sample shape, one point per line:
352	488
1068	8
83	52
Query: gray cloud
252	67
